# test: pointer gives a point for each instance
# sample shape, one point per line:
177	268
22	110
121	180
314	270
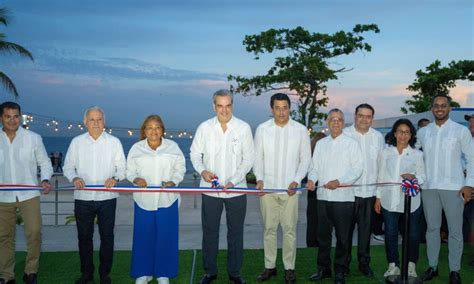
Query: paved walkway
64	237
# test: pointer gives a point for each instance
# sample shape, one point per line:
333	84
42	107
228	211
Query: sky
135	58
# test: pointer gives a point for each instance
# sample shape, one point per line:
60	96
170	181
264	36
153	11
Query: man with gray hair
223	150
337	161
95	157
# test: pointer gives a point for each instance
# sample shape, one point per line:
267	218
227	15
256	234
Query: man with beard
444	142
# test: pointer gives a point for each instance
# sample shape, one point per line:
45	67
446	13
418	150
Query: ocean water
61	144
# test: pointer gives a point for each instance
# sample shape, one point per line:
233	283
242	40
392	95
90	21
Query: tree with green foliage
10	47
437	80
304	69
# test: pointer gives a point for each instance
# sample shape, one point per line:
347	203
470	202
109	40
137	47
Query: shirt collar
445	124
230	123
102	136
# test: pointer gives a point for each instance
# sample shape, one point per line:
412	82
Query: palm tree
11	48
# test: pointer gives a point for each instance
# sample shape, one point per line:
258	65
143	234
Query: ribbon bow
410	187
215	182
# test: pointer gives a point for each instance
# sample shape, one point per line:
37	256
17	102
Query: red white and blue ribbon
410	187
176	189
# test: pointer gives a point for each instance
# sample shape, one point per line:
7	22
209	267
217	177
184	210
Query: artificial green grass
64	267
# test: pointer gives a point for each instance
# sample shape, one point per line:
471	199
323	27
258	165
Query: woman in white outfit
399	161
155	161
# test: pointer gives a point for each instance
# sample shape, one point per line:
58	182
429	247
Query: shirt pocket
236	146
449	144
373	151
25	155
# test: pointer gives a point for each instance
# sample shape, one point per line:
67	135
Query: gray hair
223	93
94	108
334	110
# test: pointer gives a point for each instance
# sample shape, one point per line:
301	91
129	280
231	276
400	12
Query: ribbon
410	187
177	189
215	182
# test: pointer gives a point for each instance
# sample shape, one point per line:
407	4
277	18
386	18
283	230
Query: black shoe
321	274
236	280
454	277
290	276
85	280
339	279
30	278
366	270
105	280
207	278
429	274
267	274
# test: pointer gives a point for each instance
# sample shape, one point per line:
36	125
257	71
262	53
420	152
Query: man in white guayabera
337	160
21	153
283	156
444	142
223	148
95	157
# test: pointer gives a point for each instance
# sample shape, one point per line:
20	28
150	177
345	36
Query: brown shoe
290	276
267	274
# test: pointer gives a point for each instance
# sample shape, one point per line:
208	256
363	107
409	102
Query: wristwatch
116	178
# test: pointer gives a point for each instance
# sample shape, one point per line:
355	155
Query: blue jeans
392	221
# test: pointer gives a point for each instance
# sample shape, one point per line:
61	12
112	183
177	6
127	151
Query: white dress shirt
392	166
443	147
164	164
282	154
229	154
94	161
336	159
371	145
19	162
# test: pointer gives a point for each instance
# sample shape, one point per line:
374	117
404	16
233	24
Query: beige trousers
279	209
30	212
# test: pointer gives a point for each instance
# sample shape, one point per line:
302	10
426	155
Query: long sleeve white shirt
94	161
336	159
164	164
229	155
443	147
371	145
282	154
392	166
19	162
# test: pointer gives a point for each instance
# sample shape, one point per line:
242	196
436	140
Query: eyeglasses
440	106
406	133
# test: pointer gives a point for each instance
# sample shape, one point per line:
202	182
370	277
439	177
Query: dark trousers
337	215
377	224
392	221
211	211
85	213
363	211
312	220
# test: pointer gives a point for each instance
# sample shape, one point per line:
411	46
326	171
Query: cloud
463	93
66	63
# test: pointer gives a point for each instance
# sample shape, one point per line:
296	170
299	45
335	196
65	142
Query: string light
37	121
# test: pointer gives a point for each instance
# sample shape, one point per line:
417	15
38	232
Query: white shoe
143	280
380	238
392	270
163	280
412	269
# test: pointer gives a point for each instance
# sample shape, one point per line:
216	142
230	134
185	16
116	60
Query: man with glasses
444	142
337	161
